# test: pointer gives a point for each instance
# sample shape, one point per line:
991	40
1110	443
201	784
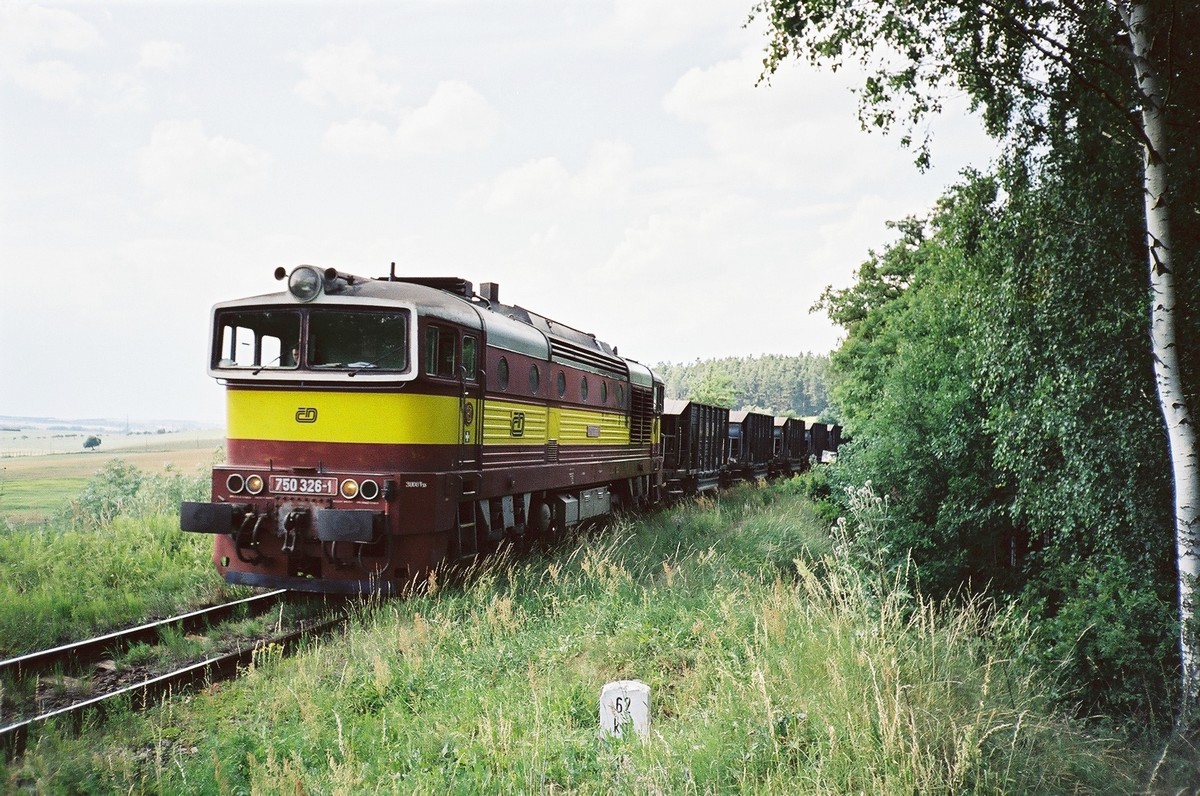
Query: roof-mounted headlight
305	282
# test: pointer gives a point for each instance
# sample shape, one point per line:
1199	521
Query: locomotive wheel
539	527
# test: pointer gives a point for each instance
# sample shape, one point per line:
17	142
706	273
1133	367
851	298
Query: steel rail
92	648
14	737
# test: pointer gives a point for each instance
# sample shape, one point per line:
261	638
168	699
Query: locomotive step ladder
468	537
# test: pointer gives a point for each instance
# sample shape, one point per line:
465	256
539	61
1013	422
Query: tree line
1019	372
772	384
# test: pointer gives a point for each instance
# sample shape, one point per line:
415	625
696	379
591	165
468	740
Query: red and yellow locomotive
379	426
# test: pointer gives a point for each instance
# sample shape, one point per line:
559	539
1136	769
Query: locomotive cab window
441	352
357	340
257	339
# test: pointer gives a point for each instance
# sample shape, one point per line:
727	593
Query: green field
782	659
777	664
36	483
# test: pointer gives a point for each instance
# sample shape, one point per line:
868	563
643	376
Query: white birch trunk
1181	433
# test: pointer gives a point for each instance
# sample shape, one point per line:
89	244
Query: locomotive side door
470	404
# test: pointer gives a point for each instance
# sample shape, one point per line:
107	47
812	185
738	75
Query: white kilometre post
622	703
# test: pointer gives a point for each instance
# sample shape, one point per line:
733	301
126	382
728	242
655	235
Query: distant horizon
52	423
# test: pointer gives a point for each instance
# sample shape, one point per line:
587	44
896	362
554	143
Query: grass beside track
112	556
775	667
65	585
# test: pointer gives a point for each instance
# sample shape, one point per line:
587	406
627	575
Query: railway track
144	691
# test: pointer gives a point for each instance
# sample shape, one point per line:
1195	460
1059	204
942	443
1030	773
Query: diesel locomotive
377	427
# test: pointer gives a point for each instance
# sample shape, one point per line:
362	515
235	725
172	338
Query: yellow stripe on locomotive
363	417
514	423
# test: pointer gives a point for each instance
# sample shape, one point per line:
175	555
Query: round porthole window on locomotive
561	384
502	373
535	378
583	389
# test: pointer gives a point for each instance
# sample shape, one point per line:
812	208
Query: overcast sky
611	163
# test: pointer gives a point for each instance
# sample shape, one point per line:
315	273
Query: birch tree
1021	63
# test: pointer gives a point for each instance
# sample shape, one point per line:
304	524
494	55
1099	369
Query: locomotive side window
358	340
468	357
583	389
561	384
535	378
502	373
257	339
441	353
604	392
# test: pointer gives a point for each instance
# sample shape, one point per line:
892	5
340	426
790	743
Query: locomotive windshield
357	340
312	338
258	339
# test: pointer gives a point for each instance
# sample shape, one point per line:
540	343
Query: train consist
377	427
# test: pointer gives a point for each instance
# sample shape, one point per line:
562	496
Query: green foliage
1102	628
906	388
989	417
772	384
766	678
91	443
121	488
111	492
996	377
715	389
1020	64
117	556
62	584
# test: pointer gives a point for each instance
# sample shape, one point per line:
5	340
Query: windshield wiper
260	368
373	363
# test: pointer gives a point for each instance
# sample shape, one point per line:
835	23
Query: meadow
109	556
41	470
781	659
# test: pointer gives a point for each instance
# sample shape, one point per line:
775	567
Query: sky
616	165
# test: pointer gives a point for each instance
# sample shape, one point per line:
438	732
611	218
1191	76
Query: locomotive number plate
303	485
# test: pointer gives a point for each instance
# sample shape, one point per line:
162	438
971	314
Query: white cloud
457	118
545	184
606	174
347	75
27	32
535	185
26	28
661	24
795	130
52	80
360	137
191	173
162	54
